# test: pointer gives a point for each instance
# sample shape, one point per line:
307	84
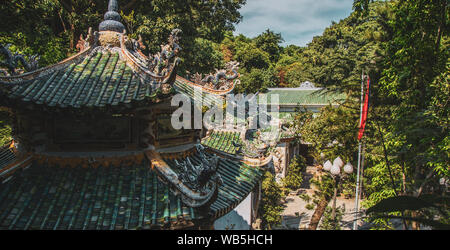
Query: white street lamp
335	170
338	162
327	166
348	168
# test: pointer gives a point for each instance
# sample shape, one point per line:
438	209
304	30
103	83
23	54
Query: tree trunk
320	209
414	224
72	36
441	25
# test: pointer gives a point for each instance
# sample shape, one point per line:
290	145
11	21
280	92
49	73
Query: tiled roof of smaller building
300	96
187	88
230	142
105	197
239	179
223	141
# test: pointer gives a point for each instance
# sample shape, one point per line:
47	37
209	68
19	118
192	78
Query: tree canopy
51	28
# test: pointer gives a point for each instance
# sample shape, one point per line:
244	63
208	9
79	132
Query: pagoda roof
301	96
108	197
209	96
93	78
109	70
116	193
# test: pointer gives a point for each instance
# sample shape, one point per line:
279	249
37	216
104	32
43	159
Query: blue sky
298	21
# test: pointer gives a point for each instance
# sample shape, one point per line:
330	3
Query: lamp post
335	171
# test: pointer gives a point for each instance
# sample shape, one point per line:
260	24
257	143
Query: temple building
289	101
94	148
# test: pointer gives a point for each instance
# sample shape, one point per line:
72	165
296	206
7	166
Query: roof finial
112	19
113	6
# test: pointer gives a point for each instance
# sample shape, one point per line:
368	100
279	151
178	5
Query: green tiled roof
114	197
182	87
101	78
239	180
286	116
223	141
291	96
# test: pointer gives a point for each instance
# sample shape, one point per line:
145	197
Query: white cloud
298	21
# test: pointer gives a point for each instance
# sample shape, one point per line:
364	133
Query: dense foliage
403	47
51	28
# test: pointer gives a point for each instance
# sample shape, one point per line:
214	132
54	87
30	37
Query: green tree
257	80
51	28
416	135
269	42
294	177
270	208
403	46
251	57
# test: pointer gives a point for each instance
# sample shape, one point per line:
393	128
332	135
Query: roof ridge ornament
12	61
91	40
307	85
221	80
112	19
164	61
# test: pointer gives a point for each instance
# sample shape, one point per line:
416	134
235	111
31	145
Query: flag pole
355	221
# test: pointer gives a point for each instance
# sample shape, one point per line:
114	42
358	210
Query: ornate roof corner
200	177
112	19
162	66
223	79
164	61
11	62
91	40
197	182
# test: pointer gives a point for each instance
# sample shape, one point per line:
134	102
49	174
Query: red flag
365	110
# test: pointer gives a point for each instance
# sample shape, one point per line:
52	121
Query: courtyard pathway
297	217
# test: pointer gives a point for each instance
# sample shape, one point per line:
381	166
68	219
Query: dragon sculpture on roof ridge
159	63
221	80
12	61
201	176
